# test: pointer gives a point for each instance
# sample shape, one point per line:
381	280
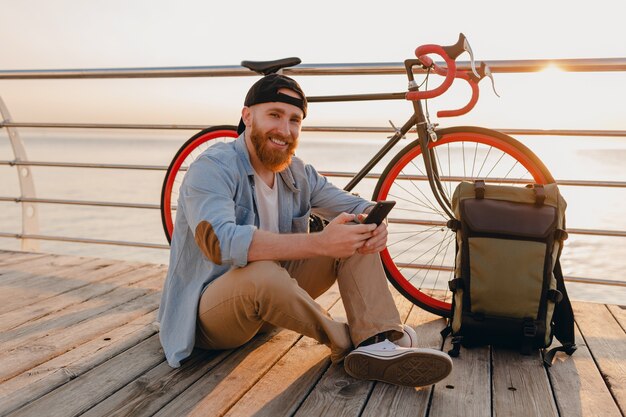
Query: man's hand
378	241
341	238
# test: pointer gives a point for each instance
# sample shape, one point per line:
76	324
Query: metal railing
29	235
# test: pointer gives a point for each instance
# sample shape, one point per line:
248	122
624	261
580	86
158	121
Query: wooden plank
9	257
390	400
607	342
285	386
152	391
467	390
520	385
41	285
619	312
578	385
102	281
100	320
337	393
216	393
27	262
89	389
33	273
140	281
44	378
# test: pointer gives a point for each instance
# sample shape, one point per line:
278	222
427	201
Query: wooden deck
77	337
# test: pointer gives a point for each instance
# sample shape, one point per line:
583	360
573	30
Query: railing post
30	217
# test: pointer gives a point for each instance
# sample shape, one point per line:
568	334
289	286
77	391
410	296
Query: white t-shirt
267	204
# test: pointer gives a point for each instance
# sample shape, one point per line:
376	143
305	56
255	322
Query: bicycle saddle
270	67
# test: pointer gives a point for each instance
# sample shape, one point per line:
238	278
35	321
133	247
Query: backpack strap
540	195
479	189
563	320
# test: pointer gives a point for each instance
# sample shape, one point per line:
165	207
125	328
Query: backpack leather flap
509	218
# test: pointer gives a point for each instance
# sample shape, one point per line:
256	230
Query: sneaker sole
410	369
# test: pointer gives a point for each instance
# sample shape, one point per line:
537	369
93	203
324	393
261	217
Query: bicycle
420	256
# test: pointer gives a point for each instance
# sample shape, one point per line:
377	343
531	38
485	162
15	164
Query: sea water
568	158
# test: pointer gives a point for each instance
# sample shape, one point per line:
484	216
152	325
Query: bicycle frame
418	119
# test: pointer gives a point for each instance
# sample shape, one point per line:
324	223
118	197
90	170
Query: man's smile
277	141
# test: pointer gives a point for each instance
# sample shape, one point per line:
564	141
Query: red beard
275	160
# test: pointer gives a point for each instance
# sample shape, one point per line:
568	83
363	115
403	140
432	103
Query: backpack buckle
530	329
456	284
456	346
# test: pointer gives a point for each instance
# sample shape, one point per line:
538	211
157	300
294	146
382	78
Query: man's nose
283	127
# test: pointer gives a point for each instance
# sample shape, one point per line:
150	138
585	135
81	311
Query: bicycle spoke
474	163
429	262
463	149
432	260
409	210
442	262
414	245
409	237
422	254
417	203
484	161
429	203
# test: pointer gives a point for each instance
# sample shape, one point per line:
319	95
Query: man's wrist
316	242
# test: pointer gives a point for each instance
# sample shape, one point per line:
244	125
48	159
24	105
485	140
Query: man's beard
273	159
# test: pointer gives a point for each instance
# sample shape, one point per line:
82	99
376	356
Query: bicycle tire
404	180
178	167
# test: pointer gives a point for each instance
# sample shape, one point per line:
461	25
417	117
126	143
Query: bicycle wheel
420	256
179	165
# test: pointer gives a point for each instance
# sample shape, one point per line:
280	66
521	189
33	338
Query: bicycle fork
424	132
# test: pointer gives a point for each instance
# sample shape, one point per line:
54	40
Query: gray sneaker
387	362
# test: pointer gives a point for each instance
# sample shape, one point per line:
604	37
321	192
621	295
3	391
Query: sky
67	34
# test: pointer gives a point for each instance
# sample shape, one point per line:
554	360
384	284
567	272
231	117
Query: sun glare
551	68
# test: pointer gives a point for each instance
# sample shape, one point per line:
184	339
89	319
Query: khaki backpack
508	288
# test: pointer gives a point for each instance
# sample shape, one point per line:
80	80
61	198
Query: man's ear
246	115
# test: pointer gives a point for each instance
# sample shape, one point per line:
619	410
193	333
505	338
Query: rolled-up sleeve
207	197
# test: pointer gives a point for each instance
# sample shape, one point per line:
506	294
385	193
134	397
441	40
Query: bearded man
243	261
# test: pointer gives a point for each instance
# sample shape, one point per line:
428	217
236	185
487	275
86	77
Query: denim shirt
219	189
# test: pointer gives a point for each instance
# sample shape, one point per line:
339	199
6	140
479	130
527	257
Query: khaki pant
236	306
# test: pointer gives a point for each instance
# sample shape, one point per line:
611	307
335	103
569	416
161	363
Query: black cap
266	89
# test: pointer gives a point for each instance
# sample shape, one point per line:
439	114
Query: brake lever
490	75
468	49
485	72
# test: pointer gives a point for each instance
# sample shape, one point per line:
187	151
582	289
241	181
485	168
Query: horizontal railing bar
336	174
497	66
85	240
81	202
595	232
85	165
324	129
578	280
577	183
130	126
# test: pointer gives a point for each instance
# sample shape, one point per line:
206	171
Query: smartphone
379	212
